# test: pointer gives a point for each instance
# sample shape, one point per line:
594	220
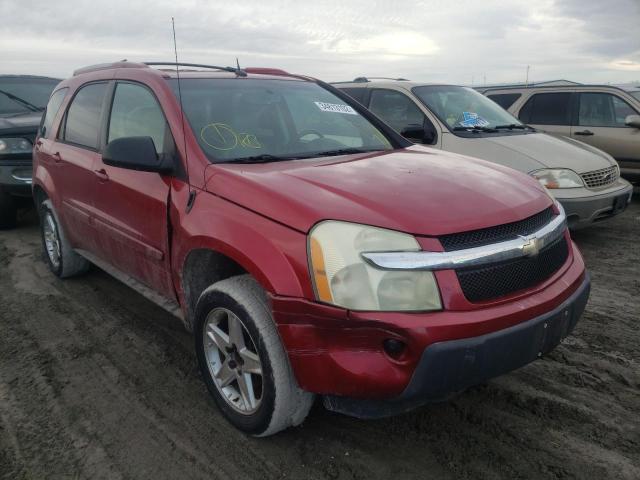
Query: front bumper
449	367
15	177
582	211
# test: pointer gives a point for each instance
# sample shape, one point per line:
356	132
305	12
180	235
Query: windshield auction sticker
472	119
335	108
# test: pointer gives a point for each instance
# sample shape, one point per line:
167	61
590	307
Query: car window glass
52	109
84	114
602	110
358	94
135	113
396	109
20	95
505	100
234	119
547	109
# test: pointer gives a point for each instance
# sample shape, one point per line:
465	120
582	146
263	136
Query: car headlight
343	278
15	145
558	178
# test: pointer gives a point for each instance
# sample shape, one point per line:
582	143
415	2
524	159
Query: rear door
131	206
601	123
71	159
549	112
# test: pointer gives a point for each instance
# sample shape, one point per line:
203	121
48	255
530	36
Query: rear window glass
505	100
83	116
547	109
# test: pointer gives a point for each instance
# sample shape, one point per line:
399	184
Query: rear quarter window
505	100
359	94
51	111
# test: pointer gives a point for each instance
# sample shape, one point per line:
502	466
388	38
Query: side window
135	113
84	114
52	109
358	94
395	108
603	110
505	100
547	109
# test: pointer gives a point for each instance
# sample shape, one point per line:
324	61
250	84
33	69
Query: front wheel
242	359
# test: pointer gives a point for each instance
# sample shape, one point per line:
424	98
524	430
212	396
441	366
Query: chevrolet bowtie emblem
531	246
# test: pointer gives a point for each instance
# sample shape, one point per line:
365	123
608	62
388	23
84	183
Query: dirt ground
96	382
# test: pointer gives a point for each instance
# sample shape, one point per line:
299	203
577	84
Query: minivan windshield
462	108
260	120
20	95
636	94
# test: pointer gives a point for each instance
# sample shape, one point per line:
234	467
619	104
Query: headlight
14	145
342	277
558	178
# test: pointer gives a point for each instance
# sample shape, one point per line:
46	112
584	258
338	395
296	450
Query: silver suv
584	179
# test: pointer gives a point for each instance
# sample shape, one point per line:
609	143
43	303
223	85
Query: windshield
462	107
267	120
636	94
23	94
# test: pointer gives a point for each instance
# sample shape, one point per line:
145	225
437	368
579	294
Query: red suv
310	248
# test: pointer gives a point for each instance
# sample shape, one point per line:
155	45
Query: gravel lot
96	382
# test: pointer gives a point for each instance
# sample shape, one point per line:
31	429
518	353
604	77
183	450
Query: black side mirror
420	133
135	153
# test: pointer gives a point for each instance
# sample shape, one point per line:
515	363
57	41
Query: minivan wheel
8	210
242	359
63	261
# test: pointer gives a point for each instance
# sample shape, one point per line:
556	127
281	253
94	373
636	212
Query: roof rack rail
238	71
107	66
368	79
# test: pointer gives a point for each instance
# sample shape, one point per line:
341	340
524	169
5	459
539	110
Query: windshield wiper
512	126
344	151
262	158
475	128
29	106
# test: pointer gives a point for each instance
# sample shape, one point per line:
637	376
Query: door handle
56	157
586	133
102	175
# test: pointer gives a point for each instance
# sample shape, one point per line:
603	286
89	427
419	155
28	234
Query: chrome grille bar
523	246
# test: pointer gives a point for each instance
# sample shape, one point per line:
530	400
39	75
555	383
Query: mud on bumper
449	367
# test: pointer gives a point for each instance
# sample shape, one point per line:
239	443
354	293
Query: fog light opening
394	348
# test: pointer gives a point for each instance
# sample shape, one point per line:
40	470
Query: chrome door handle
586	133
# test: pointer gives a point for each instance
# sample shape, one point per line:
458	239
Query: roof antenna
192	193
239	71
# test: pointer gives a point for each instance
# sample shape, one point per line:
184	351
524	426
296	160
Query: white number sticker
335	108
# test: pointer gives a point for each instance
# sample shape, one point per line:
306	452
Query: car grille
600	178
492	281
499	233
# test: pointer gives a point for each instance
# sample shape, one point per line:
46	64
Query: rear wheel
242	359
8	210
63	261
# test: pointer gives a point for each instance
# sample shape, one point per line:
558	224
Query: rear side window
396	109
603	110
135	113
358	94
547	109
505	100
83	116
51	111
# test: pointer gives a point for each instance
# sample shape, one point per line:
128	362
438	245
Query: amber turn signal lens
319	272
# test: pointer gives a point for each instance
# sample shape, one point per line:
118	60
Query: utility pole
526	82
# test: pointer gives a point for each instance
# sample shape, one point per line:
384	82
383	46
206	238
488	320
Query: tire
63	261
8	210
276	402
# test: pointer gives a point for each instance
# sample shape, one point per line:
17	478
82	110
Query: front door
131	206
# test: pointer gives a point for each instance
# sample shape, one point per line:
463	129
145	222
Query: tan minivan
584	179
604	116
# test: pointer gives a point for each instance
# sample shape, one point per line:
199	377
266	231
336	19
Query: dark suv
22	100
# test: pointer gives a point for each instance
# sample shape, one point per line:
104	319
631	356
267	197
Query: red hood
416	190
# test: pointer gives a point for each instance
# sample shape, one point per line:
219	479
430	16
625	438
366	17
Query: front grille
500	233
600	178
488	282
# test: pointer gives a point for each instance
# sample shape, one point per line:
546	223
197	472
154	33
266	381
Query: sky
454	41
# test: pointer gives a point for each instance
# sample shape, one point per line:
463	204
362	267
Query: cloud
443	41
